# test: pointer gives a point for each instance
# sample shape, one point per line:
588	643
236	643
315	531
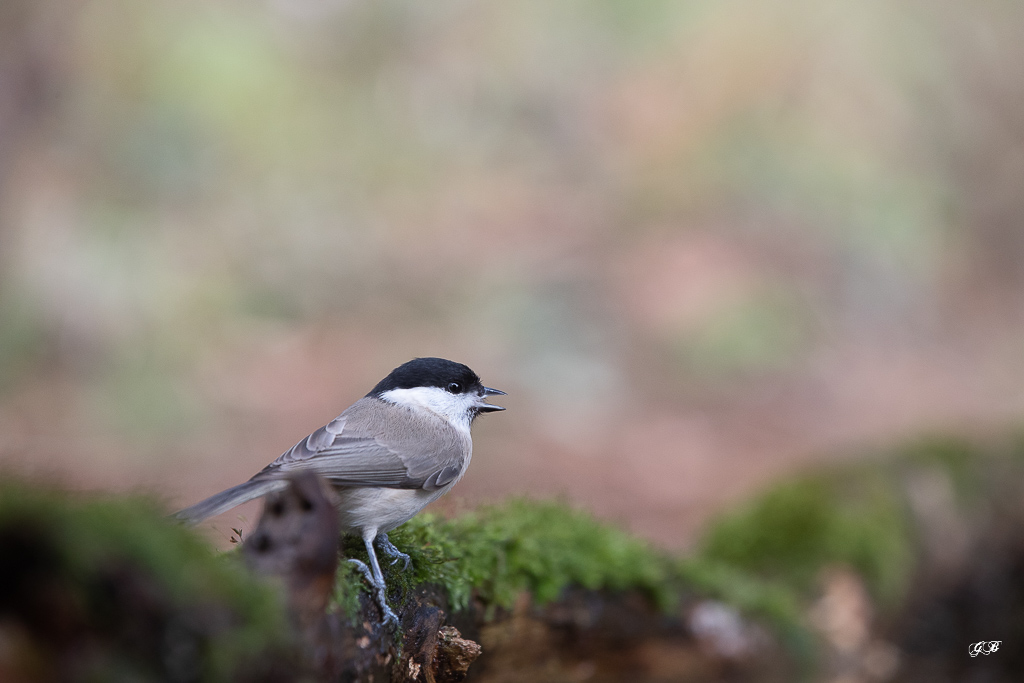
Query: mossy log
556	595
880	570
108	590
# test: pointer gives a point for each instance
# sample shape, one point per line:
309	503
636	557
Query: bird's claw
390	618
364	570
391	551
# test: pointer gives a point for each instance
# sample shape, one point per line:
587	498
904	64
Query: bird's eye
455	387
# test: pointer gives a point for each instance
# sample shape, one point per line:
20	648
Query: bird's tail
229	498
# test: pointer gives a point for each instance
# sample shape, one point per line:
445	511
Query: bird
387	456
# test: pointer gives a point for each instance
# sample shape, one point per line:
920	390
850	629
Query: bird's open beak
487	407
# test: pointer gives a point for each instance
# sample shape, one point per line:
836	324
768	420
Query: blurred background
700	245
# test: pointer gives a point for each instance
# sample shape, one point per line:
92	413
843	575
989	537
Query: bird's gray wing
348	456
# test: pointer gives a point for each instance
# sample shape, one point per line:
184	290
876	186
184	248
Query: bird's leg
390	550
374	576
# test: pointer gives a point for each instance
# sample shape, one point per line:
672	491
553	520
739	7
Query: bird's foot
364	570
391	551
390	618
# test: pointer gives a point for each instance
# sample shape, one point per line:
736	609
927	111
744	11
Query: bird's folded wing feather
346	457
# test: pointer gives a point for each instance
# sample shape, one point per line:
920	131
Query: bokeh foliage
187	169
109	588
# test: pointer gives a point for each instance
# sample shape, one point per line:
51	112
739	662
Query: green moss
538	547
119	562
741	589
851	516
960	460
348	582
776	603
764	557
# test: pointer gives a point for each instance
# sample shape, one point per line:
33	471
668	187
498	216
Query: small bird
400	447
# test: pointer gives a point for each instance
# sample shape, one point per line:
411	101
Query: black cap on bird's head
455	378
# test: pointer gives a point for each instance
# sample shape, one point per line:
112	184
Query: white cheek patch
456	408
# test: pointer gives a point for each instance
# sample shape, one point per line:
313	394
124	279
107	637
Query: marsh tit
392	452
